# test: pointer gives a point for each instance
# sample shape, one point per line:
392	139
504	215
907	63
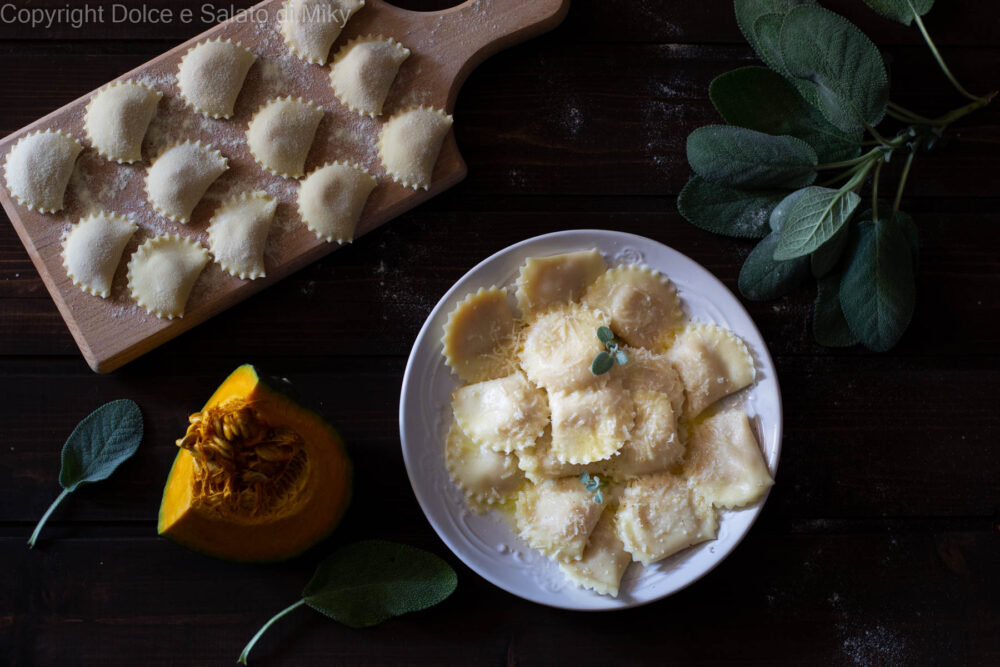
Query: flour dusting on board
114	330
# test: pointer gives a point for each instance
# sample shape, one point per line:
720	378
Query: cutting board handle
476	29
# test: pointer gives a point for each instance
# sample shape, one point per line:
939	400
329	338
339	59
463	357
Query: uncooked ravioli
180	176
281	133
38	168
93	248
162	273
310	27
211	75
117	119
410	144
332	198
238	233
364	70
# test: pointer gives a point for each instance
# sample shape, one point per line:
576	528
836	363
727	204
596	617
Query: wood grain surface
879	545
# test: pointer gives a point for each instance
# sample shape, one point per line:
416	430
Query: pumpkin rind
284	530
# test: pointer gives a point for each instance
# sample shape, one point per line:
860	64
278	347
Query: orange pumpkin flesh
258	477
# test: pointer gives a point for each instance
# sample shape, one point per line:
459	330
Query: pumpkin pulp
258	477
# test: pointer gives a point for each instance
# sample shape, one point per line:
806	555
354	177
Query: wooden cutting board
446	46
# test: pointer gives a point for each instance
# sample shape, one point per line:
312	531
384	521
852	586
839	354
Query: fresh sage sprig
606	359
97	446
594	484
368	582
791	167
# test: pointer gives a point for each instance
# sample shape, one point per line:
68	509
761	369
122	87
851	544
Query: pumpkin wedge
258	476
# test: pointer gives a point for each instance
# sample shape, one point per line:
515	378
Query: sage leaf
824	258
602	363
97	446
605	335
758	99
369	582
829	326
739	158
621	357
727	211
878	290
748	16
901	10
825	52
813	220
763	277
780	213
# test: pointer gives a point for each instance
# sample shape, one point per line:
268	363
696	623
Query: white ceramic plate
485	542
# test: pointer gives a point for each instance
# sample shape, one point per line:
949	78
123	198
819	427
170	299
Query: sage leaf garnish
594	484
606	359
763	277
736	157
813	220
877	292
825	86
825	52
97	446
369	582
728	211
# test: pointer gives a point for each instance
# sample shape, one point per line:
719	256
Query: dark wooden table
879	545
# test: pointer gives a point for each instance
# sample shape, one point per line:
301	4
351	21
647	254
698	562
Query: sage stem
45	517
937	56
246	649
878	172
902	183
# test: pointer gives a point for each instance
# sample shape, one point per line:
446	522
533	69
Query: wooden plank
565	119
890	436
446	46
386	283
951	24
887	598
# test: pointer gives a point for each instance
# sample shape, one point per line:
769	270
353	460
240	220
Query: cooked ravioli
162	273
118	117
281	133
559	347
652	371
93	248
238	233
642	304
590	425
505	414
363	71
654	443
310	27
712	362
479	336
410	144
545	282
211	75
332	198
659	515
604	560
180	176
724	461
485	476
539	462
38	168
557	517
